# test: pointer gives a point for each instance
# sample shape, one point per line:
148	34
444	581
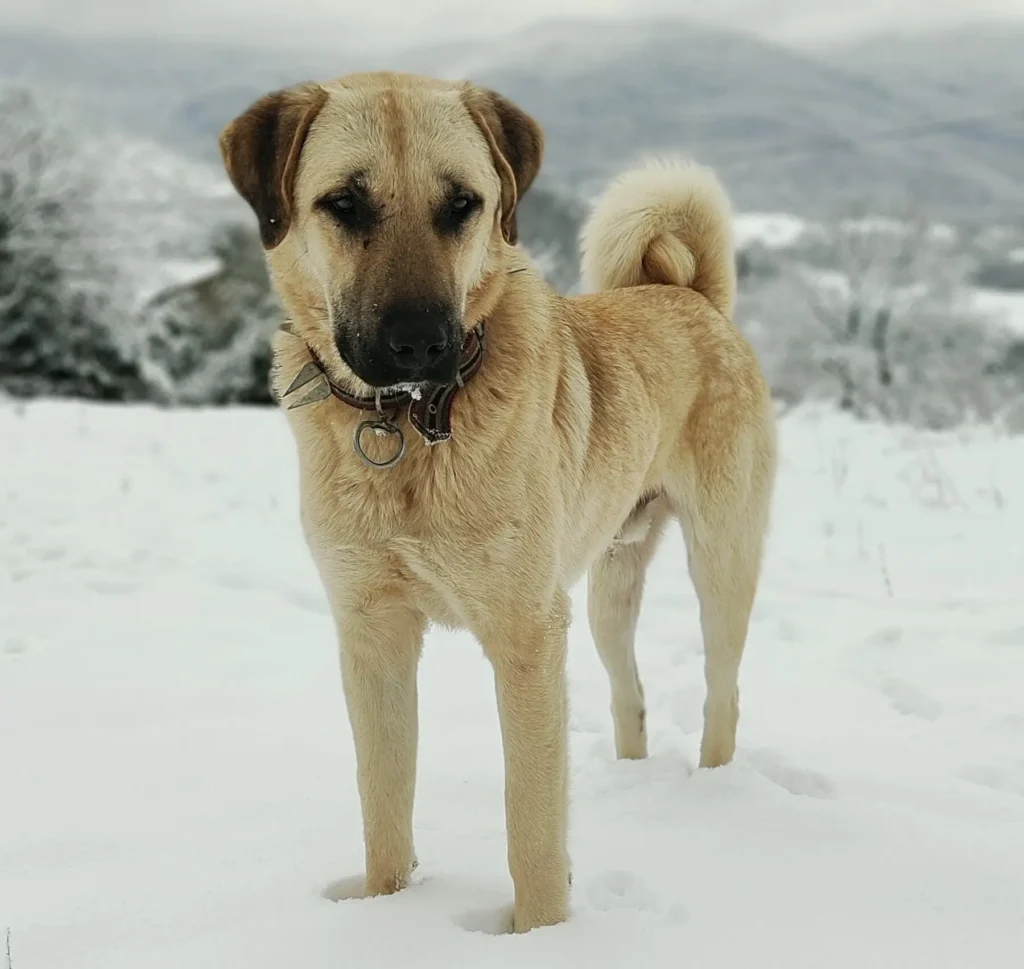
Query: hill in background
933	119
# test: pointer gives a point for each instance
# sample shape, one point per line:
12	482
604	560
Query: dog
471	443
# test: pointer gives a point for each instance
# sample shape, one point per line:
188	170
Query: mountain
975	80
884	121
977	69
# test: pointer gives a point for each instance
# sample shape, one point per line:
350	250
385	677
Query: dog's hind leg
615	588
724	510
725	576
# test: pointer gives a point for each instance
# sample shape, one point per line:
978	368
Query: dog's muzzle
413	342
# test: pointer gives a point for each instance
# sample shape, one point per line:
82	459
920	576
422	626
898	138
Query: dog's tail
664	222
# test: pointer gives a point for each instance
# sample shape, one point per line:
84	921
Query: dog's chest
451	564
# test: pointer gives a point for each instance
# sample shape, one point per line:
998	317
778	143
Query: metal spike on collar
321	391
309	372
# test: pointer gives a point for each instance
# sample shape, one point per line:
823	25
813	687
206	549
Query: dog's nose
417	336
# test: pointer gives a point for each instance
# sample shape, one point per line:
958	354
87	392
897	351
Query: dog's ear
261	149
517	146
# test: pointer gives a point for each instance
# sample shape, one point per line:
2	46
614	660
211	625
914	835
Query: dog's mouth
414	390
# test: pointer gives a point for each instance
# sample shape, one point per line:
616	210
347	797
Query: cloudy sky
343	22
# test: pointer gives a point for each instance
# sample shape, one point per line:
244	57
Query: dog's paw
357	886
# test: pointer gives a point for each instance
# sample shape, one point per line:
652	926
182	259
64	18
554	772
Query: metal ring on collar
379	426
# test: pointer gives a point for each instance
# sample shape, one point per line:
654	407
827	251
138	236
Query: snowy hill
177	771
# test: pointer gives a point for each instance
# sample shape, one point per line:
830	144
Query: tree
56	304
878	325
208	339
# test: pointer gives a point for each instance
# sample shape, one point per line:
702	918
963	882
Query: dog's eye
344	203
352	210
456	211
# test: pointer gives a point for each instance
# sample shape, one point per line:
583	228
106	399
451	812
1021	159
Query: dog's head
386	204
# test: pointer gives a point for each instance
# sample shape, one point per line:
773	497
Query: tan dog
387	207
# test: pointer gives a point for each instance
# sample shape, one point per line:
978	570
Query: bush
1003	274
58	321
208	340
883	334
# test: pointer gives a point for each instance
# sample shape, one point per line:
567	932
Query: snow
176	771
1002	306
156	212
174	274
773	230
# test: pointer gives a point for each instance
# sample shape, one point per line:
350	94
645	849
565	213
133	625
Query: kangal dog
471	442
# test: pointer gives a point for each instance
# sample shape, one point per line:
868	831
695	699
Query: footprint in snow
308	602
620	891
112	587
235	580
796	780
888	637
910	701
995	779
1008	637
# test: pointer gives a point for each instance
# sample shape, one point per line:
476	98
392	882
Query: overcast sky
329	23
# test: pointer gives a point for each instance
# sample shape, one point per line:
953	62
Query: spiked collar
429	409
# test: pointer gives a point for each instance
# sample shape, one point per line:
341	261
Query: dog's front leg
529	667
380	647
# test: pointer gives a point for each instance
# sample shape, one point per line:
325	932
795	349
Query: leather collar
429	408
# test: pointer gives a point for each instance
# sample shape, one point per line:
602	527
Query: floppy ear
517	146
261	151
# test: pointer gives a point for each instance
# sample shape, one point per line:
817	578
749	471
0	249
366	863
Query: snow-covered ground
176	770
773	230
1001	307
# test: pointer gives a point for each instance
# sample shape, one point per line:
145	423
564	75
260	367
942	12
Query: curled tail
664	222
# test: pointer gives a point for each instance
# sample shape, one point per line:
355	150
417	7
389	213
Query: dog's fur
593	421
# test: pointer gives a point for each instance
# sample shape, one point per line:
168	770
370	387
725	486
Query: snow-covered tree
59	310
878	324
209	336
